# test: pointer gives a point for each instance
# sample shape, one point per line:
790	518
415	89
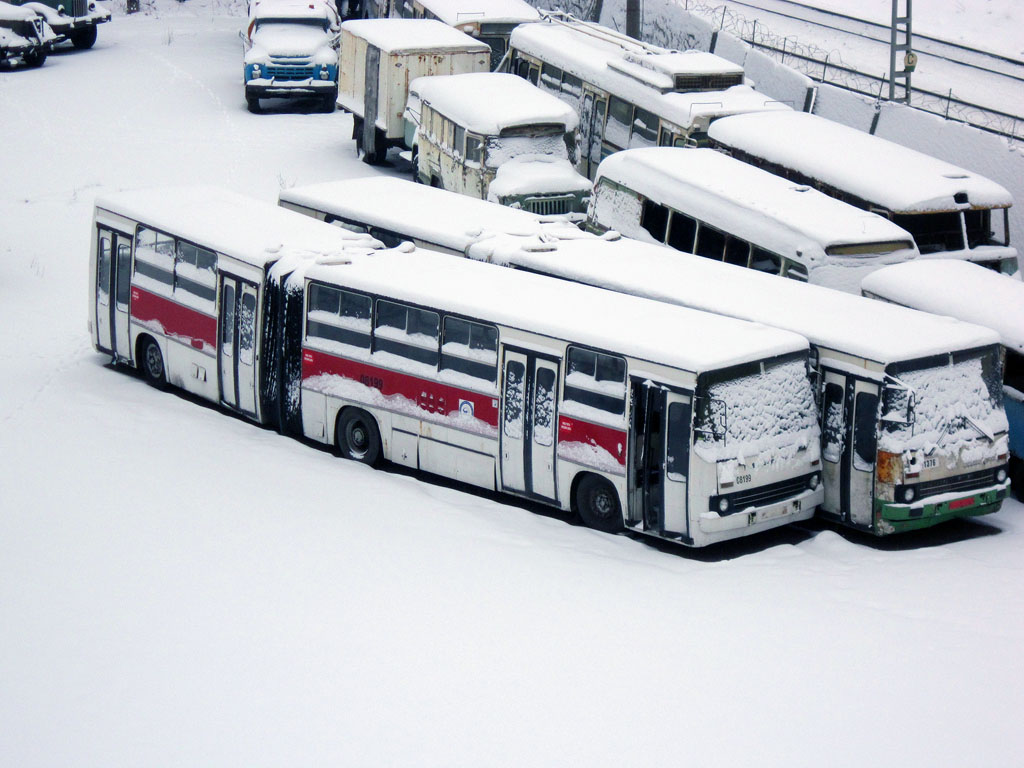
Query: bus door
849	430
528	423
659	438
592	115
237	348
113	291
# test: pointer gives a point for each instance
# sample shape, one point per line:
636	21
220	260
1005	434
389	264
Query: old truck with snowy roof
24	36
497	137
291	51
380	57
71	20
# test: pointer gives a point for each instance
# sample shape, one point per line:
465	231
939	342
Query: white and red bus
911	411
636	414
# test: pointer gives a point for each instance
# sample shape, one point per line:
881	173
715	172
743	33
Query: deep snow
179	587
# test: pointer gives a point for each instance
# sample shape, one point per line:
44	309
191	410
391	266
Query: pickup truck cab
291	51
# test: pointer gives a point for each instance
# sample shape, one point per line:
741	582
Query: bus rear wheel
152	364
598	504
358	437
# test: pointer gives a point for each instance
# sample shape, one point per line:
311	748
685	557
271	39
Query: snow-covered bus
676	423
628	93
493	136
701	201
490	21
969	292
910	406
950	212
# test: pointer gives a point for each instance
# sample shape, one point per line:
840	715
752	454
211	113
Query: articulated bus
969	292
950	212
909	404
628	93
490	21
701	201
667	421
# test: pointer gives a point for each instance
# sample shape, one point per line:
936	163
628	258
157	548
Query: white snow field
179	587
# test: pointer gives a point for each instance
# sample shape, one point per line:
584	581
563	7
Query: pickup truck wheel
84	39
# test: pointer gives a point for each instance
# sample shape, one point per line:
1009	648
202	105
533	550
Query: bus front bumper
753	519
891	517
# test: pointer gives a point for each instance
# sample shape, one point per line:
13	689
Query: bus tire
358	436
597	504
151	363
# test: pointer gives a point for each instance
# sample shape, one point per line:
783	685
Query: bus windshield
547	140
747	409
943	404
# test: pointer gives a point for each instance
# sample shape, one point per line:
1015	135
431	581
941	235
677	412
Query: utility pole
633	18
901	40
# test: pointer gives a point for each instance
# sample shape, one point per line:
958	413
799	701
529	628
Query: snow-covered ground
179	587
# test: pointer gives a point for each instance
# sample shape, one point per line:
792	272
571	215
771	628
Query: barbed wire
828	67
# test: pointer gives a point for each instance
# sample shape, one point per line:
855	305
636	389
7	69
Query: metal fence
828	67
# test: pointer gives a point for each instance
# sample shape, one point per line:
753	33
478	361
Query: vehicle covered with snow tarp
24	35
291	51
71	20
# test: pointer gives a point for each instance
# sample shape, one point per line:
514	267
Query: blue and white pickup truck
291	51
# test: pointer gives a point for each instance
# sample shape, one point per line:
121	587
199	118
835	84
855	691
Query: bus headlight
723	505
1001	475
813	482
908	494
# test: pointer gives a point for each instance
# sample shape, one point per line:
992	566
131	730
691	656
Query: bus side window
339	316
654	218
572	86
764	261
645	129
682	231
460	141
470	348
596	380
864	431
474	150
551	78
710	242
407	331
195	273
677	457
620	116
737	251
796	271
832	422
154	258
522	68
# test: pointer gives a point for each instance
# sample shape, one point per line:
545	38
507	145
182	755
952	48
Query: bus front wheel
357	436
598	504
152	363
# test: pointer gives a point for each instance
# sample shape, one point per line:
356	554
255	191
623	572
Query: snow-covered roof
833	319
252	231
957	288
489	102
293	9
872	168
750	203
491	11
650	330
606	57
10	12
428	214
408	35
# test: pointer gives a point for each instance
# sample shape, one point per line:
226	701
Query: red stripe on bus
613	440
195	327
431	396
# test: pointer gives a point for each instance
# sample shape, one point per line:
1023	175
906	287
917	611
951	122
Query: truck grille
549	206
762	495
972	481
289	73
79	7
